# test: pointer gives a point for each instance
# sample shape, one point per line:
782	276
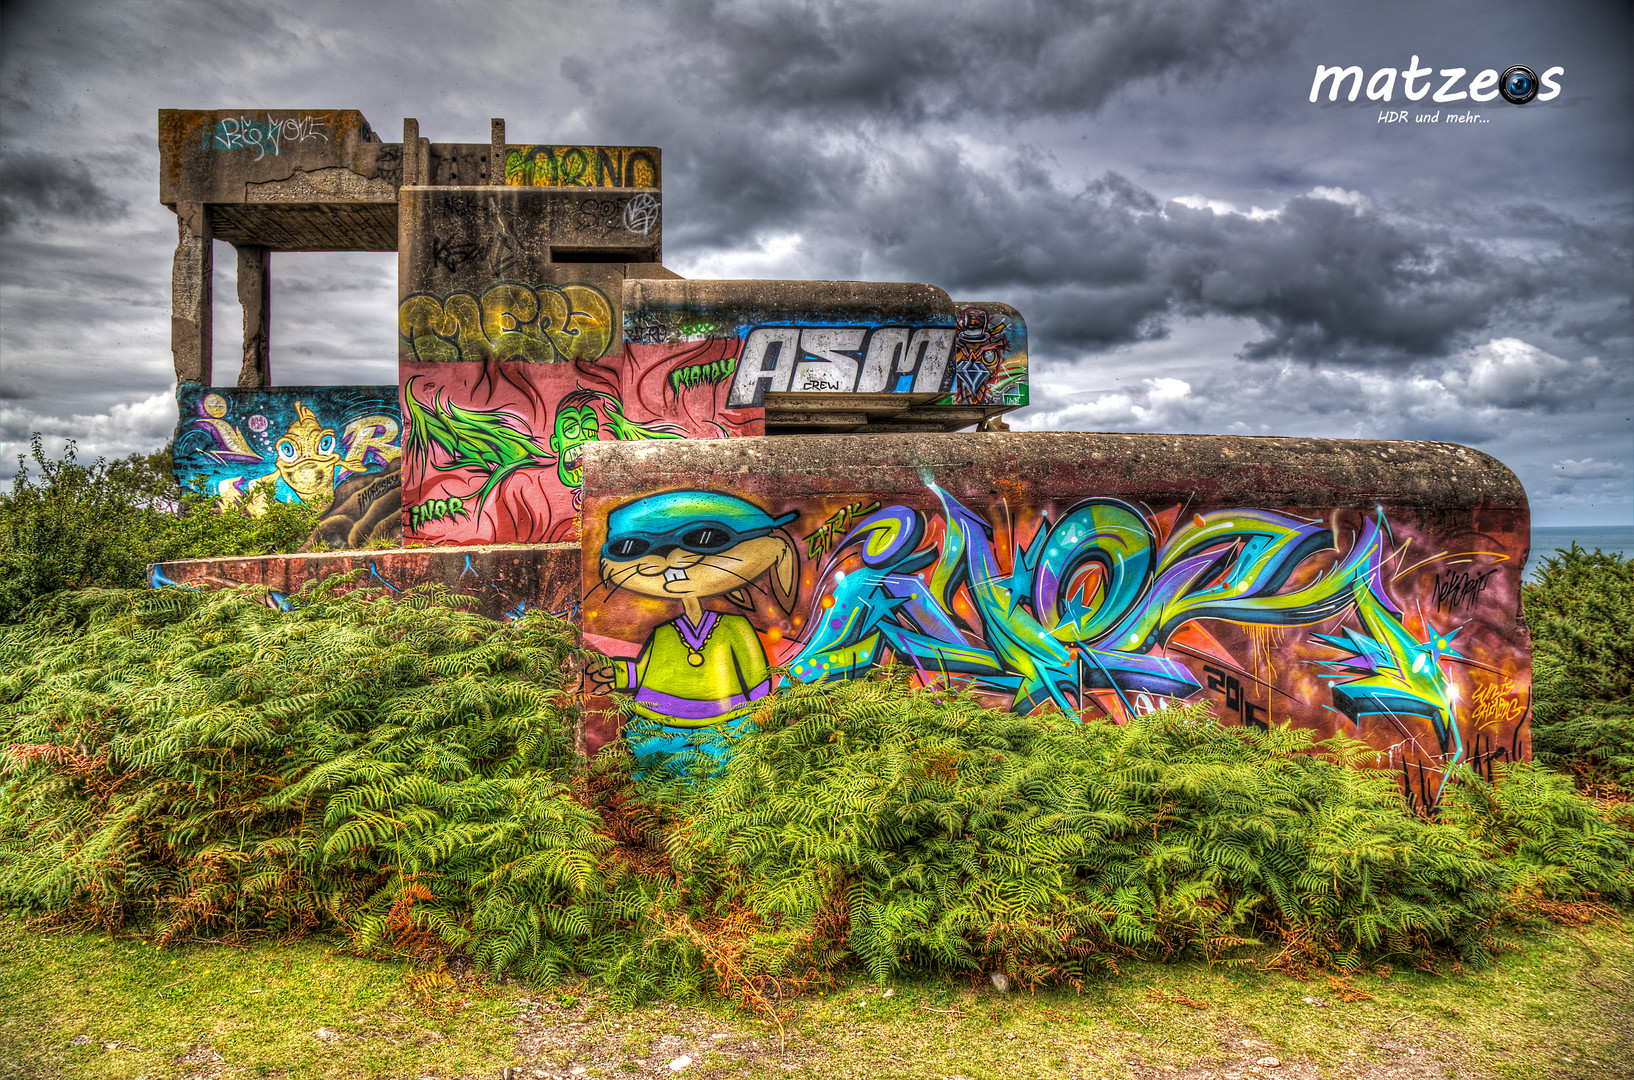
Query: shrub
1554	844
403	771
192	763
1581	613
916	830
77	526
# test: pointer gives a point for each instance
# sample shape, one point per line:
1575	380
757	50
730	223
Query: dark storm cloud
769	115
1329	281
880	136
1147	182
912	62
38	187
1326	277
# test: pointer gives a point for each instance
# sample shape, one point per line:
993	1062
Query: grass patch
1556	1007
89	1005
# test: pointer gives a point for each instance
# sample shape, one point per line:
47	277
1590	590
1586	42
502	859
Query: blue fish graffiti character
704	670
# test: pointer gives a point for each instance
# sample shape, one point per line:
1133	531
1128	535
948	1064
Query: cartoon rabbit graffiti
705	669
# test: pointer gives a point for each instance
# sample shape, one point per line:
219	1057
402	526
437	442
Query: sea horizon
1546	540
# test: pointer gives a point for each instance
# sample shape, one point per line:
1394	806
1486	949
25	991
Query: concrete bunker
570	414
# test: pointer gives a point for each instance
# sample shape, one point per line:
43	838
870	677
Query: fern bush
916	830
403	772
1580	610
198	763
1556	846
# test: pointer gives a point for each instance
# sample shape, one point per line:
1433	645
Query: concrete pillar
496	150
255	296
190	294
411	151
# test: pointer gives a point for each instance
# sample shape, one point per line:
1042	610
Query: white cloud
127	428
1508	373
1340	195
1591	469
1220	206
1353	199
1164	404
774	255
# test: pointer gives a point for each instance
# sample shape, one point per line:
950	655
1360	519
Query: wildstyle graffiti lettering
543	324
580	166
1399	675
860	359
263	136
1096	579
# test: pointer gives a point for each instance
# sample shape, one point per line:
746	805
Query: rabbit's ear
740	597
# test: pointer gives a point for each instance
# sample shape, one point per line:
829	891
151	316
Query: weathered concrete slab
459	238
1370	589
505	581
210	155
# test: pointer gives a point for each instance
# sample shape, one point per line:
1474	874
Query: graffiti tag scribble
641	214
838	524
262	136
1460	588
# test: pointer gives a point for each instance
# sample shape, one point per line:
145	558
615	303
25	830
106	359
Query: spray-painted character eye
286	449
326	445
708	540
627	548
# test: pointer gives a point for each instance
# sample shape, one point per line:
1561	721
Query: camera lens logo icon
1518	85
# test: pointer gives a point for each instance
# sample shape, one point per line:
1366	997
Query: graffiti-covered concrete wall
535	319
1364	588
333	447
501	582
511	357
805	350
494	448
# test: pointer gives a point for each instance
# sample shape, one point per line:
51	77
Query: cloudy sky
1196	246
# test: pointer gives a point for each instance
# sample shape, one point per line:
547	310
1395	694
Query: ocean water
1611	539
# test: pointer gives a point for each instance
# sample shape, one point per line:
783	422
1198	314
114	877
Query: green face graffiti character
576	424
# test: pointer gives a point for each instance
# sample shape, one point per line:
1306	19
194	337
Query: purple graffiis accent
692	709
695	639
902	529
